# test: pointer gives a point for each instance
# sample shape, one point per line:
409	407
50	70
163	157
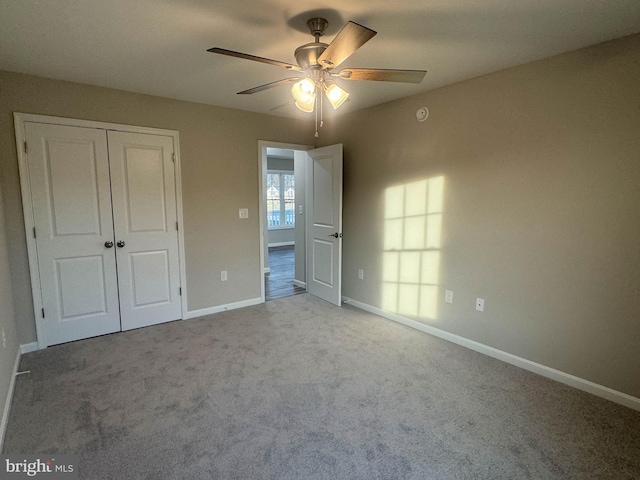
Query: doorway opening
283	219
282	204
314	210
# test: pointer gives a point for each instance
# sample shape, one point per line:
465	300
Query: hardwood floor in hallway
278	282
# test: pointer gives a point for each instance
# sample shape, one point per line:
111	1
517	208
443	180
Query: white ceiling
159	47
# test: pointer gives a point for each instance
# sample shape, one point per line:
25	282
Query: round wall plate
422	114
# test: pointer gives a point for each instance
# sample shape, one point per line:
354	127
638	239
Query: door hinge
173	157
34	232
43	313
177	226
180	290
26	148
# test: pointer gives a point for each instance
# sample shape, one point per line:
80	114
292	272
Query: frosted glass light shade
306	107
336	95
304	91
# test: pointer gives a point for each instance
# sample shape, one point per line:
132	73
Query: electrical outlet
243	213
223	276
448	296
361	274
480	304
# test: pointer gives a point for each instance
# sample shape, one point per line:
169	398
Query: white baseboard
223	308
7	404
300	284
28	347
562	377
282	244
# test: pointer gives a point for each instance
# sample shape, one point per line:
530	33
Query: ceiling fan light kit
316	60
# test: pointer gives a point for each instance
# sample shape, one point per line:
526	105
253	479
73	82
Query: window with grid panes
281	199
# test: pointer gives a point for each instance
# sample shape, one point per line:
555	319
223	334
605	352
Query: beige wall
219	153
7	320
540	217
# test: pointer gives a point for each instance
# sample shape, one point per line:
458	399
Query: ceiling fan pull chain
321	108
316	134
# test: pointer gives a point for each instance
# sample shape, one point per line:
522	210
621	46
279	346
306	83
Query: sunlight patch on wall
412	242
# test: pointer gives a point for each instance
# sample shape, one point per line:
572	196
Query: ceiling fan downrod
317	26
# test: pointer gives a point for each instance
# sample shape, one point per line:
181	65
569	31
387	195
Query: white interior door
146	229
324	223
71	199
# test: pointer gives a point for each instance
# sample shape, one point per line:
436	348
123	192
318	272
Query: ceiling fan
316	62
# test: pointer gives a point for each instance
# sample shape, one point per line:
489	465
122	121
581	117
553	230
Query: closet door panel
150	273
71	199
145	216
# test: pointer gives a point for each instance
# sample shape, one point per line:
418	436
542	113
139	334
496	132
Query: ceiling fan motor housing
307	55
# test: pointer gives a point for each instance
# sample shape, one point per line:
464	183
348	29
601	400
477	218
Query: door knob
120	243
108	244
336	235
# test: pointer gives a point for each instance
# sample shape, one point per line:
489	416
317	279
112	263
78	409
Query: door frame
262	206
27	207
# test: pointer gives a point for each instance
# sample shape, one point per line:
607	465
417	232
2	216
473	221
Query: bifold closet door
71	199
145	221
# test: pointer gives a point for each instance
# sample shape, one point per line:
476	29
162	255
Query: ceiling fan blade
267	86
349	39
246	56
382	75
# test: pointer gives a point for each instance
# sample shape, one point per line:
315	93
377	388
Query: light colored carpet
299	389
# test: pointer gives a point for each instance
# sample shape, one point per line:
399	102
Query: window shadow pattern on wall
412	242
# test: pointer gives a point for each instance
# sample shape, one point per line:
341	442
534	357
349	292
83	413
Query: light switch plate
243	213
480	304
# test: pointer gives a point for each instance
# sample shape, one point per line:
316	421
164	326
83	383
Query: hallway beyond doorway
278	282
